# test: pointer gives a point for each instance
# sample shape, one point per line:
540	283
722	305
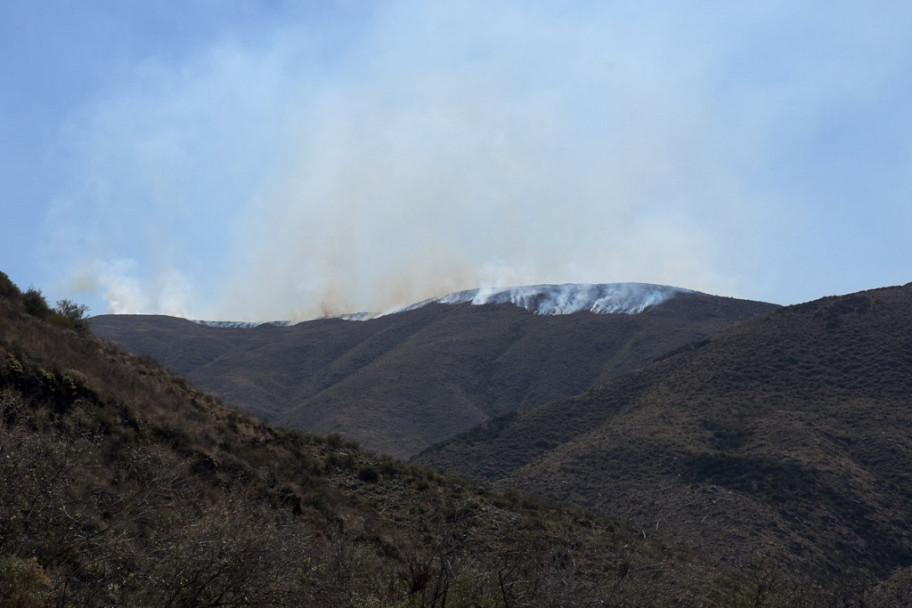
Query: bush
35	304
369	474
23	583
8	289
68	314
71	310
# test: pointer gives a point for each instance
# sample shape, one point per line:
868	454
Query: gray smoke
433	147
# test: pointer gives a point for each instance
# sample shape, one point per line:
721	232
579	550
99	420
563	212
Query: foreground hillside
122	486
788	436
404	381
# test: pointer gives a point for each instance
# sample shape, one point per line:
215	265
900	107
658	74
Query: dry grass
400	383
123	486
788	435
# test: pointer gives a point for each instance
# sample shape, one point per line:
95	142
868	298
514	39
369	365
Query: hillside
123	486
401	382
789	435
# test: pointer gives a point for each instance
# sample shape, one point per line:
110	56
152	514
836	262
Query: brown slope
122	486
788	434
399	383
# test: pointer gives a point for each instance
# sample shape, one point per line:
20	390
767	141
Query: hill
401	382
789	435
123	486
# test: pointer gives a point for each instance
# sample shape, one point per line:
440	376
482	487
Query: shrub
8	289
35	304
370	474
72	311
23	583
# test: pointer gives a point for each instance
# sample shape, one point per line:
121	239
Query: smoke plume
361	164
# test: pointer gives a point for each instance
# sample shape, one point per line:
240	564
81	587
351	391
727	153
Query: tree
8	289
35	304
71	310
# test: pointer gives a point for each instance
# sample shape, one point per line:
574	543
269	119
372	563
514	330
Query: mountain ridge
789	431
400	382
544	299
565	298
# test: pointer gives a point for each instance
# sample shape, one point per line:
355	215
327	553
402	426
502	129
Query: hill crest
566	298
541	299
790	430
401	382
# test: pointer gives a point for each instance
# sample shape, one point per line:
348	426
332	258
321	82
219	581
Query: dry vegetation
399	383
785	439
123	486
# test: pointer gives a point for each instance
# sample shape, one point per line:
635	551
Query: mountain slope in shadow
788	435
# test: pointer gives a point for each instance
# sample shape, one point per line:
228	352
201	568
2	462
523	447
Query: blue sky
274	160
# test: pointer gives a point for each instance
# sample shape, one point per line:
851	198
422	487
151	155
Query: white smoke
526	149
125	291
432	147
612	298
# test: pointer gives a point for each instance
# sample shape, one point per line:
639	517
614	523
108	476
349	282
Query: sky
262	160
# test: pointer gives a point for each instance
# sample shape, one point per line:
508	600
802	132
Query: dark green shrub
60	321
35	304
391	468
8	289
370	474
71	311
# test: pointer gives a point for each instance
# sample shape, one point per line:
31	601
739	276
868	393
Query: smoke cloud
426	148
